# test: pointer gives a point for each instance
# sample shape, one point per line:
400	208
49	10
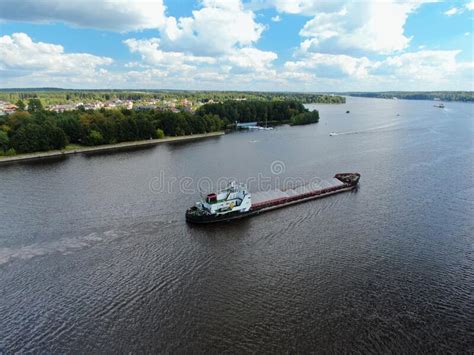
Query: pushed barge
235	201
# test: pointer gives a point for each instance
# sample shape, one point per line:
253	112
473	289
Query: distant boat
253	125
245	124
441	105
259	128
333	134
348	111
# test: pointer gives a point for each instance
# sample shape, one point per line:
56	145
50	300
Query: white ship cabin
231	199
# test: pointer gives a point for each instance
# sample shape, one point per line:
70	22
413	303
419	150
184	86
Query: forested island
33	129
268	112
465	96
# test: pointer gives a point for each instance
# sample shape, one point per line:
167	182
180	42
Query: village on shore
173	105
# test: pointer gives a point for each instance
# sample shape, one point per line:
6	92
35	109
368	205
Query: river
95	255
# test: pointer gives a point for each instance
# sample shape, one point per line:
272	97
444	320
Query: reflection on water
93	260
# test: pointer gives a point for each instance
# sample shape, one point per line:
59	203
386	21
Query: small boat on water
252	125
333	134
235	201
260	128
441	105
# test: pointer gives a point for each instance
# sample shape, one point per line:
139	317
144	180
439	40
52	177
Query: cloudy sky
278	45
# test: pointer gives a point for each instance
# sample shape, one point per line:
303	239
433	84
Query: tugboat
235	201
230	203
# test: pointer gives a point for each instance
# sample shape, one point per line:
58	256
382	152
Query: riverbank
453	96
104	148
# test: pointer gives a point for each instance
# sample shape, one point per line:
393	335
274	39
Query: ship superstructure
234	198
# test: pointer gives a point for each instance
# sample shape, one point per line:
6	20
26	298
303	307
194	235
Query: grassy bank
77	149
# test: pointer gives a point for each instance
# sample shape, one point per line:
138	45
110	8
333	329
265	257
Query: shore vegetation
464	96
54	96
254	111
37	130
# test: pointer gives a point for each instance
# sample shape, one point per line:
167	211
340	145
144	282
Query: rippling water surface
95	255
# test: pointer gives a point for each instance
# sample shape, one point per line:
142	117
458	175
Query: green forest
39	130
62	96
250	111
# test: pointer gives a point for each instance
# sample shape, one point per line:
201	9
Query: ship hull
191	217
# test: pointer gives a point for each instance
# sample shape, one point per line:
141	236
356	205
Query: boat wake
368	130
64	246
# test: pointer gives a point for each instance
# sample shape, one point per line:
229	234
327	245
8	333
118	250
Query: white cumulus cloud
469	6
330	65
115	15
453	11
19	56
250	58
299	7
345	26
421	70
237	59
376	27
152	54
216	28
221	33
424	65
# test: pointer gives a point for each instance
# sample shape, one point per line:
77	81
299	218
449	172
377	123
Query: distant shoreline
447	96
103	148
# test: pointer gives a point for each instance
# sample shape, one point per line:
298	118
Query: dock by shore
104	148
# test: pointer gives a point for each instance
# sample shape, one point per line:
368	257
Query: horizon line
243	91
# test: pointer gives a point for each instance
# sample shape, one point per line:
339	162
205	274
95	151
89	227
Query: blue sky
276	45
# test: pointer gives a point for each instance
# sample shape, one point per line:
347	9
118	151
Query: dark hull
350	182
205	219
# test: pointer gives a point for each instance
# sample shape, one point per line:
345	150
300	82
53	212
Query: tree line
62	96
37	130
466	96
254	111
305	118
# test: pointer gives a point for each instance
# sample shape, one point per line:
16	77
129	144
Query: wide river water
95	254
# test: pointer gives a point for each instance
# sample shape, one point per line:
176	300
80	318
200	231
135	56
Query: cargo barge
236	202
